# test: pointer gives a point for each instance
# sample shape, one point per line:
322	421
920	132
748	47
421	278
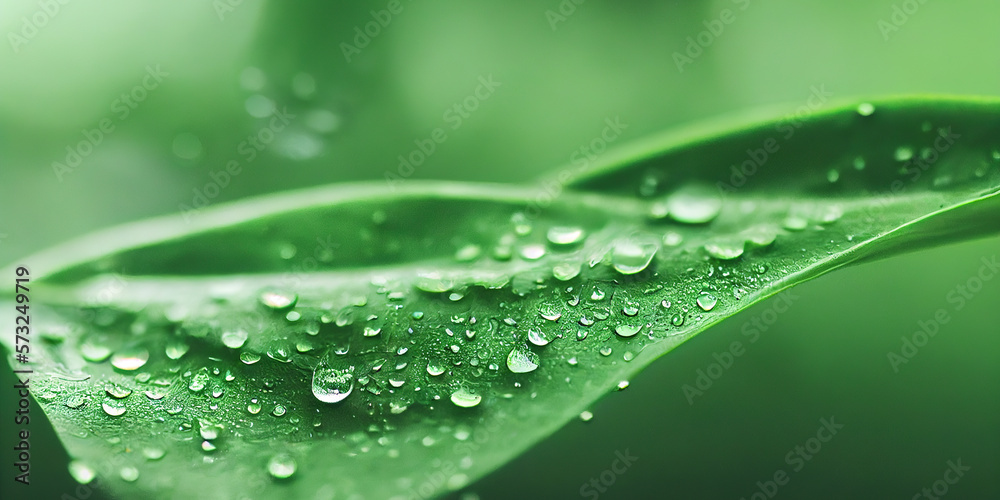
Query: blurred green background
562	69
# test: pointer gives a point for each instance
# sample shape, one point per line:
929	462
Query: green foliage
391	341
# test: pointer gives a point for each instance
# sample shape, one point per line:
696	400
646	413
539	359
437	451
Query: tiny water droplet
130	358
627	330
586	416
234	339
129	473
859	163
94	351
725	249
332	384
521	360
565	271
532	252
605	351
672	238
113	407
707	302
694	204
198	381
465	398
565	235
176	349
903	153
279	410
281	466
153	453
622	385
82	472
833	175
278	299
249	358
550	314
866	109
795	223
75	401
117	391
468	253
630	257
434	368
677	320
254	408
538	338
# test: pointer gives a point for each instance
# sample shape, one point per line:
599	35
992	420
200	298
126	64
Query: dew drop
465	398
279	410
129	473
254	407
468	253
903	153
532	252
82	472
332	384
113	407
833	175
622	385
278	299
281	466
565	271
725	249
677	320
586	416
627	330
550	314
694	204
538	338
565	235
208	430
630	309
93	351
866	109
249	358
176	349
434	368
522	360
605	351
130	358
672	238
198	381
234	339
859	163
153	453
707	302
75	401
117	391
795	223
630	257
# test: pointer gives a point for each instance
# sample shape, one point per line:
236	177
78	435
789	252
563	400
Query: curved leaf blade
388	354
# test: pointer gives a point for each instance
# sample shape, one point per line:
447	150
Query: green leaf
401	340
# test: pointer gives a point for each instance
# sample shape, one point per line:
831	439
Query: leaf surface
379	341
